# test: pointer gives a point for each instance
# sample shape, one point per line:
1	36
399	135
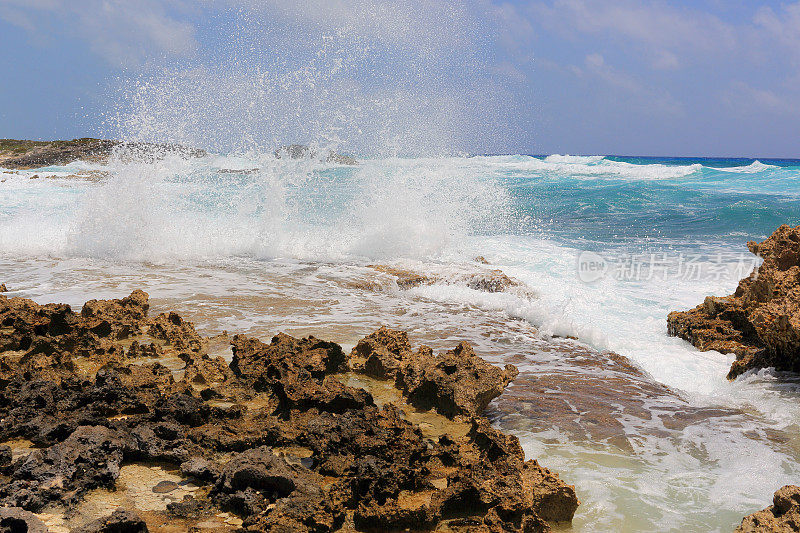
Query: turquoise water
247	242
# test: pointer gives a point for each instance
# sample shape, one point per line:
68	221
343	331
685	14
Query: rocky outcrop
782	516
285	438
16	520
301	151
454	383
120	521
479	279
760	322
24	154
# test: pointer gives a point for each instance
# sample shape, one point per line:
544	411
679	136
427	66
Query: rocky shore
25	154
782	516
111	420
760	322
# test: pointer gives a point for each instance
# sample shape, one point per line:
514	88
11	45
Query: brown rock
277	437
782	516
456	382
120	521
14	520
760	322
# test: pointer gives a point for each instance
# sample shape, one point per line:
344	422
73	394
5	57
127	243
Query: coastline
607	423
283	435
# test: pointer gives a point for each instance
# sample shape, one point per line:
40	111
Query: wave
176	208
753	168
597	167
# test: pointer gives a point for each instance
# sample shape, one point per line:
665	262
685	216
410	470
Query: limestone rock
760	322
783	516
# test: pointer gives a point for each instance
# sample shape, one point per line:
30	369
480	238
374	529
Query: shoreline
247	436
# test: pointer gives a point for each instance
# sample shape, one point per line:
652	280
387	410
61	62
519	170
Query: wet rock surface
782	516
479	279
760	322
294	435
22	154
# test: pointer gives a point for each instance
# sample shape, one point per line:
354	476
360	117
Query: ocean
644	425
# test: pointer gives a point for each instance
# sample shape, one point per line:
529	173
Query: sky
701	78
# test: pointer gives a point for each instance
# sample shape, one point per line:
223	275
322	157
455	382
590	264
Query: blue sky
707	77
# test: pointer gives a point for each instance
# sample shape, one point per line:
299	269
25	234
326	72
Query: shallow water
654	440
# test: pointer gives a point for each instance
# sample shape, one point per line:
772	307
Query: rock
5	455
3	287
782	516
276	437
760	322
200	469
300	151
254	360
120	521
21	154
164	487
381	354
258	469
16	520
456	382
180	334
479	279
89	458
553	500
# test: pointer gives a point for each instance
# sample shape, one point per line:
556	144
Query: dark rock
5	456
164	487
120	521
277	437
258	469
16	520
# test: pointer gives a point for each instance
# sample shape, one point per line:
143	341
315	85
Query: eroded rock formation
783	516
289	437
760	322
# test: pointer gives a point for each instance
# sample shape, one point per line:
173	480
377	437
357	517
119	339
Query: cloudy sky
708	77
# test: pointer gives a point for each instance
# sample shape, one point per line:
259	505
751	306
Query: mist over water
410	78
242	240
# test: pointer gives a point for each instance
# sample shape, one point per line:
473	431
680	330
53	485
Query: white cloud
122	32
783	26
743	97
660	30
424	26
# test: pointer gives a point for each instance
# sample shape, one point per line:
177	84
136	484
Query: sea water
606	247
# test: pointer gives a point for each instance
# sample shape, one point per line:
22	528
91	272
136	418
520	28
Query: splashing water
242	240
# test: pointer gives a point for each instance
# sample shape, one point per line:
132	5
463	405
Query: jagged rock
171	328
456	382
120	521
381	354
89	458
782	516
760	322
478	279
121	318
277	437
5	456
16	520
258	469
3	287
255	361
